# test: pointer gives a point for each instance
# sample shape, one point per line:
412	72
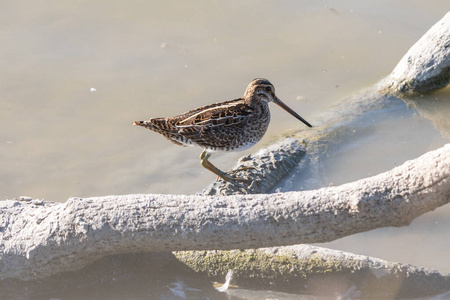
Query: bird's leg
209	166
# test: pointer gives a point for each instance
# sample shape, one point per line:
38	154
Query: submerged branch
318	271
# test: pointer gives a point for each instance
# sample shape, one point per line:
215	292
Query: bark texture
39	238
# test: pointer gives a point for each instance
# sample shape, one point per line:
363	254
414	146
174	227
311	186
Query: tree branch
42	238
426	66
317	271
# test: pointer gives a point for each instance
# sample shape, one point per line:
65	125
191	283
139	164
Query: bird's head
260	90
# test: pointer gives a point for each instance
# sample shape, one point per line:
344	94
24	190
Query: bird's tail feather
156	124
161	126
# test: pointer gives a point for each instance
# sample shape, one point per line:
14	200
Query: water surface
76	74
150	58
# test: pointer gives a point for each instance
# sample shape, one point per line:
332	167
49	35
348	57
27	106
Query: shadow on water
159	276
434	107
129	276
378	141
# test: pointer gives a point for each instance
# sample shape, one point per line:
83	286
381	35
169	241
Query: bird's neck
255	101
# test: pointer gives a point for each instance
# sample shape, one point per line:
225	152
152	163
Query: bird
233	125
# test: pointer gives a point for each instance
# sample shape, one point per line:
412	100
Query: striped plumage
226	126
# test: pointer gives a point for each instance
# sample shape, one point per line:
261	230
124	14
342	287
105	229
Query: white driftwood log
39	238
426	66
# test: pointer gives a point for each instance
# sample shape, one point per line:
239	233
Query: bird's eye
268	88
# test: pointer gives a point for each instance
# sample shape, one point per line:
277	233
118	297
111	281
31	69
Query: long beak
278	102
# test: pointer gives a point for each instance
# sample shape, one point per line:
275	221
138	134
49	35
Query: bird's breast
246	134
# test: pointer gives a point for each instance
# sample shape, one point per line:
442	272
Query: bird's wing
204	124
227	114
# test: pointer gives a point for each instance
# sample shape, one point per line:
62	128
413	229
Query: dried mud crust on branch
264	169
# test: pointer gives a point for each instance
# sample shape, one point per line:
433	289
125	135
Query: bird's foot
239	169
243	168
232	178
220	174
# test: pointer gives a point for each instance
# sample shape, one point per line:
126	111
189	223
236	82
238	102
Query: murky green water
76	74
